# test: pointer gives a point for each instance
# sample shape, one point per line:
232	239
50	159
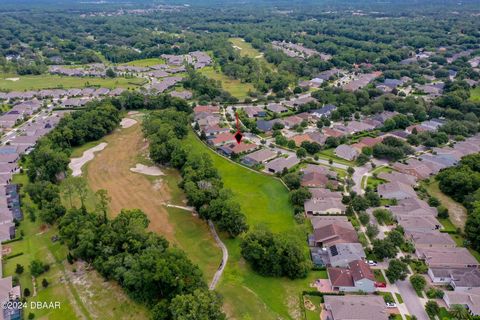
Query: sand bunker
76	164
131	113
127	122
149	171
12	79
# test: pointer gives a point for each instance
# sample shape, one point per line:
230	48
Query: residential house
254	112
328	231
341	254
324	206
396	190
415	168
212	130
324	111
276	108
237	148
208	109
447	257
259	157
413	207
460	279
355	307
418	223
292	121
468	298
221	139
280	164
400	177
346	152
430	239
357	277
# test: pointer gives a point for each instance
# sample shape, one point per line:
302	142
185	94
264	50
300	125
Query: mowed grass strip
235	87
46	81
264	200
145	62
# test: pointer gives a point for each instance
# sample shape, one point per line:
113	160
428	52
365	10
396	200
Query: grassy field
246	48
54	82
264	200
316	301
145	62
457	212
110	170
235	87
475	94
82	293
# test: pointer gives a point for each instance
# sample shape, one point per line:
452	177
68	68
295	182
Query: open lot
82	292
475	94
110	170
47	81
236	88
264	200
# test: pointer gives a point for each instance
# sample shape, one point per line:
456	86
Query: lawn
62	82
145	62
328	154
236	88
82	293
457	212
379	277
475	94
246	48
313	314
399	297
444	314
264	200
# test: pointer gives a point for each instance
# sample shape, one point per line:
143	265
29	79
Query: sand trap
12	79
127	122
131	113
149	171
237	47
76	164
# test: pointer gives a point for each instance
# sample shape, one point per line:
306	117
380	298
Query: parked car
391	305
372	263
380	284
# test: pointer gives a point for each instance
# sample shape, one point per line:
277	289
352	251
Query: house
413	207
258	157
279	164
447	257
468	298
430	239
7	231
276	108
341	254
221	139
319	169
292	121
346	152
324	206
367	142
237	148
266	126
415	168
355	307
212	130
185	94
317	180
328	231
321	193
208	109
396	190
8	292
418	223
329	132
358	277
317	137
299	138
254	112
399	177
324	111
460	279
357	126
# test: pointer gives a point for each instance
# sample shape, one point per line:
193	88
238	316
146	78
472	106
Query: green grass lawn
145	62
328	154
264	200
475	94
246	48
444	314
46	81
399	297
316	301
236	88
379	277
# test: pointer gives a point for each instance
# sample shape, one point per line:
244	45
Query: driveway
357	177
411	300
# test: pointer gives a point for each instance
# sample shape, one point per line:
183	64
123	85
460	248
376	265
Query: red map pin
238	135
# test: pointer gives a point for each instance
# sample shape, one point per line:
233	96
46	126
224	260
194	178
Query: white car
391	305
372	263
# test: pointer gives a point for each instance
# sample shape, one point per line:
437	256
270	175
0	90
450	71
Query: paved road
411	300
220	269
357	177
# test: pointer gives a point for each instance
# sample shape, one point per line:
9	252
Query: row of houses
447	263
59	93
295	50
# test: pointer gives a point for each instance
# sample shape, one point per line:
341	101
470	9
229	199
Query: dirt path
110	170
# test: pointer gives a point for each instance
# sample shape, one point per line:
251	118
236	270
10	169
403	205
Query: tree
19	269
37	267
301	153
418	282
383	216
472	227
432	309
200	305
364	218
362	159
459	312
45	283
103	200
26	292
384	249
397	270
81	188
292	180
372	231
350	170
396	237
110	73
299	196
